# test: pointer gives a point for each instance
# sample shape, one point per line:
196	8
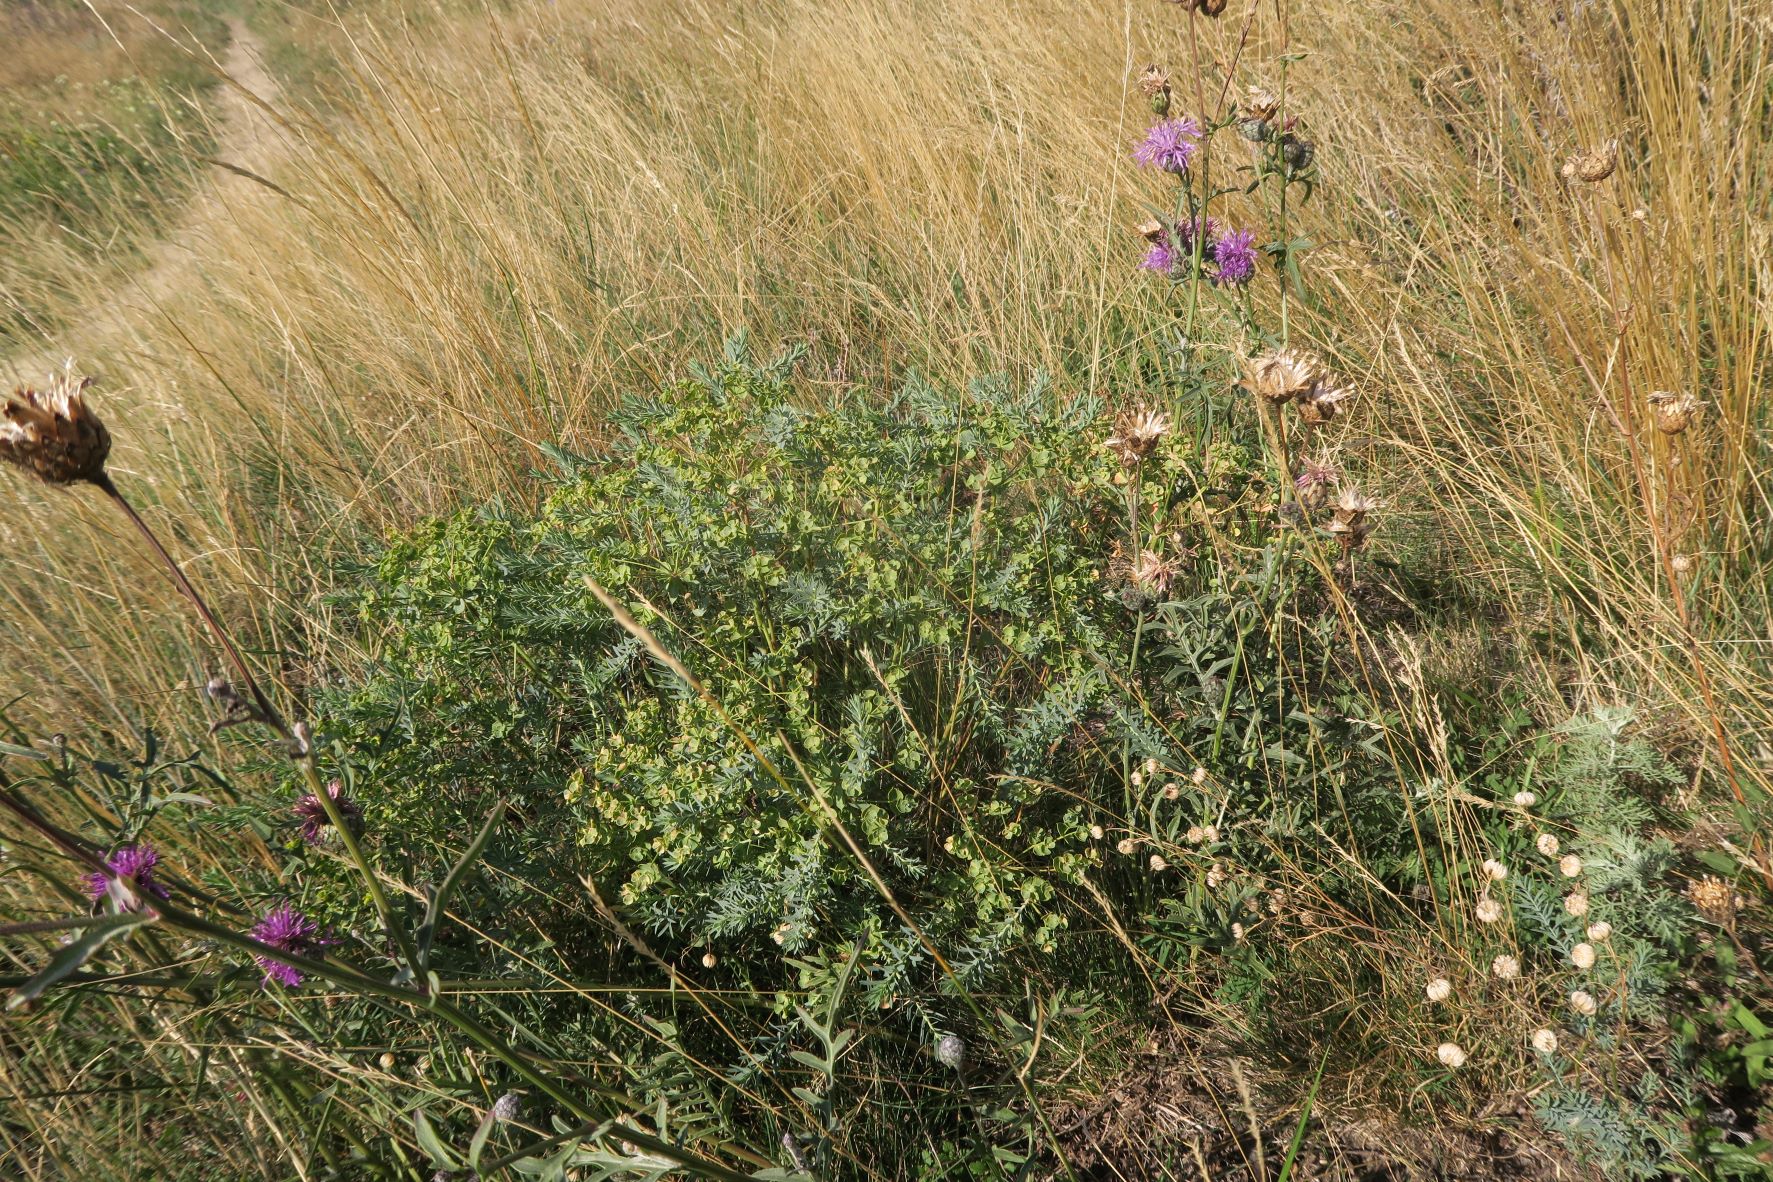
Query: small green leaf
431	1143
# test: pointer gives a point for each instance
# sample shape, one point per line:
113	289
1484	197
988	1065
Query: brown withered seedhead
1594	165
1674	412
1281	376
1209	7
1319	404
52	434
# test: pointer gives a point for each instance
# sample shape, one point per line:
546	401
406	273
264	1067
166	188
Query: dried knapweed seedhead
1153	573
1152	230
1320	402
1351	523
1256	114
52	434
1593	165
1208	7
1281	376
1712	897
1137	434
1154	84
1674	412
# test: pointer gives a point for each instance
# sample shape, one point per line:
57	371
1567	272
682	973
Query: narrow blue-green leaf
77	954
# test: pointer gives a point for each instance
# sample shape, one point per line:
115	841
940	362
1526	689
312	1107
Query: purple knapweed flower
1235	254
1204	228
311	812
287	930
1170	145
132	869
1159	258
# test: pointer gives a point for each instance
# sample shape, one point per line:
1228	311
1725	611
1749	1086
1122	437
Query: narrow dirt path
246	139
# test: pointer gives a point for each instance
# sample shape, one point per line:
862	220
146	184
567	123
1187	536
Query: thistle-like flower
1488	910
1506	967
1170	146
1154	84
1152	573
1569	865
1280	376
1296	154
52	434
1451	1054
287	930
129	873
311	812
1235	256
1322	400
1582	956
1547	844
1316	479
1137	434
1674	412
951	1052
1583	1002
1439	989
1545	1042
1256	113
1593	165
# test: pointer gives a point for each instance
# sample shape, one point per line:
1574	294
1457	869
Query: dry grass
493	230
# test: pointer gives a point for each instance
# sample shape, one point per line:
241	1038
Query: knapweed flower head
1545	1042
287	930
1316	480
1154	84
1594	164
1153	573
1205	230
1569	865
1350	525
1674	412
1576	903
1494	871
130	871
1451	1054
311	812
1712	897
1234	253
1280	376
1600	931
951	1051
52	434
1439	989
1126	846
1159	257
1255	114
1170	145
1322	400
1137	434
1158	865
